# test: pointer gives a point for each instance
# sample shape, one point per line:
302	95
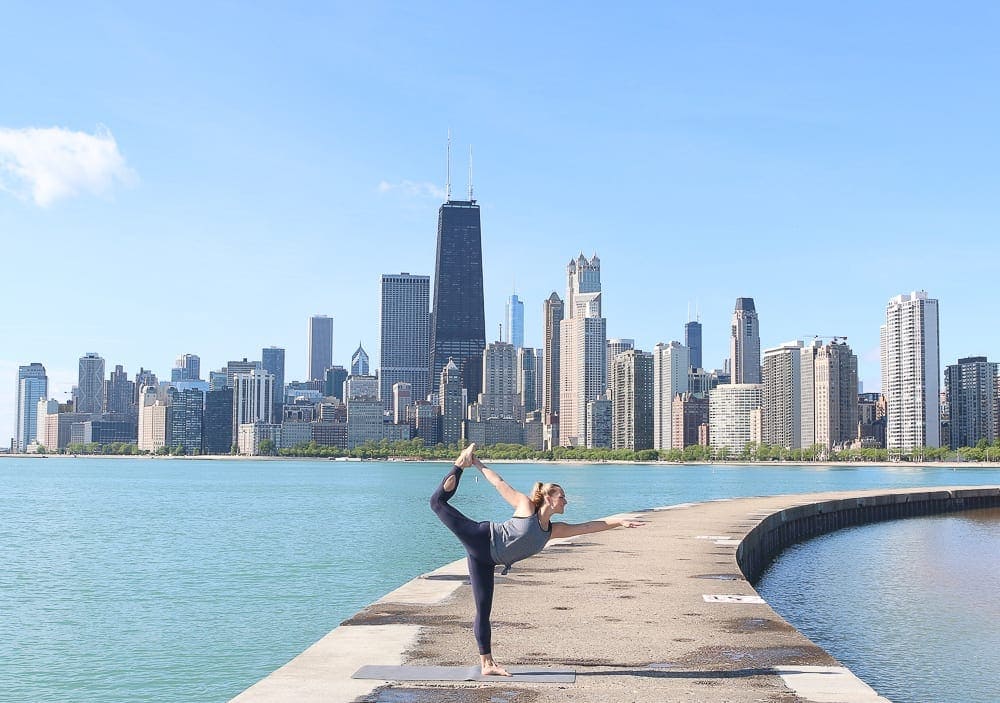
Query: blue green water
189	580
910	606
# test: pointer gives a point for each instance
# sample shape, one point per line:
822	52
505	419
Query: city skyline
821	159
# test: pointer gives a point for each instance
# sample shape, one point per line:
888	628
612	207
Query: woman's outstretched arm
520	502
568	529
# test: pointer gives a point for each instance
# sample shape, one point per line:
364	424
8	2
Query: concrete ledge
662	613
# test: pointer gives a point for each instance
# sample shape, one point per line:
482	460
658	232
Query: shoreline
566	462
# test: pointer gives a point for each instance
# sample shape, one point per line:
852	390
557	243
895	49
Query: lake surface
910	606
189	580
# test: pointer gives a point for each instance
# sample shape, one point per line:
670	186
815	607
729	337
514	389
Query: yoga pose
491	543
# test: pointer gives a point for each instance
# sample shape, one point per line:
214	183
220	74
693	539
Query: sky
203	177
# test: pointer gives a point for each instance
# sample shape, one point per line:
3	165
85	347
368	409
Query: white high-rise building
583	350
253	398
781	400
744	343
911	370
153	420
402	398
730	415
671	364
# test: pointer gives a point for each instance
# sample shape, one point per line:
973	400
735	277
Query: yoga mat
523	674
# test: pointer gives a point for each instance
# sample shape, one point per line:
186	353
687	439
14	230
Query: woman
492	543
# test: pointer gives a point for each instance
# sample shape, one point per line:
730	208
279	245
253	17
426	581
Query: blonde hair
540	491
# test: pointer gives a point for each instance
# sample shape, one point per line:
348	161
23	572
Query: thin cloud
51	163
414	189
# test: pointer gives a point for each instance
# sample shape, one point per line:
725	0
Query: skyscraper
911	367
730	407
253	398
971	386
583	349
781	399
527	378
119	393
458	319
359	361
32	386
186	416
320	346
552	316
670	363
187	367
90	387
405	323
217	422
632	407
615	347
834	398
499	396
273	360
452	404
692	340
514	326
744	343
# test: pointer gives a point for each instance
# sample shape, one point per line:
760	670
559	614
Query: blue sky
202	179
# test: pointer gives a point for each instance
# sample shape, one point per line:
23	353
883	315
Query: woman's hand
630	523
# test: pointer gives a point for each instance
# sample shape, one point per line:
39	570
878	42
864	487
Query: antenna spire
470	172
447	182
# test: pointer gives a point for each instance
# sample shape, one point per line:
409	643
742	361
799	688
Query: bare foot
466	458
494	669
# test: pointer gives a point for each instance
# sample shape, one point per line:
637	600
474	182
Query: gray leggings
475	537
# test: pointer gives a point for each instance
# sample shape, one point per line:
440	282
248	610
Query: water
189	580
910	606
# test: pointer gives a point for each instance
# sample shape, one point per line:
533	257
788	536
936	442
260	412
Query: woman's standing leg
481	576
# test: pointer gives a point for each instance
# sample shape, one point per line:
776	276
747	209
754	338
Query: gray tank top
517	539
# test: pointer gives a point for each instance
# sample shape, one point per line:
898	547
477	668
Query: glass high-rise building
217	422
32	386
273	360
359	362
692	340
458	319
320	346
90	386
186	415
405	322
514	325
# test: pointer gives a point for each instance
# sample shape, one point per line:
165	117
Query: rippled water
911	606
189	580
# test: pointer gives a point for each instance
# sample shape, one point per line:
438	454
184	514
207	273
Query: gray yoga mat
524	674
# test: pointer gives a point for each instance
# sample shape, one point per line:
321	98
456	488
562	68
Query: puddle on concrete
757	625
758	657
719	577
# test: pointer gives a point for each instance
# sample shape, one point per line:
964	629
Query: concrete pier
661	613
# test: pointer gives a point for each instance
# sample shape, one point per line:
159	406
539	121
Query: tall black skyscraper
692	340
458	320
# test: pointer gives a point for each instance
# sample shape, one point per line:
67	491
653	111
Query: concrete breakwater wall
784	528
